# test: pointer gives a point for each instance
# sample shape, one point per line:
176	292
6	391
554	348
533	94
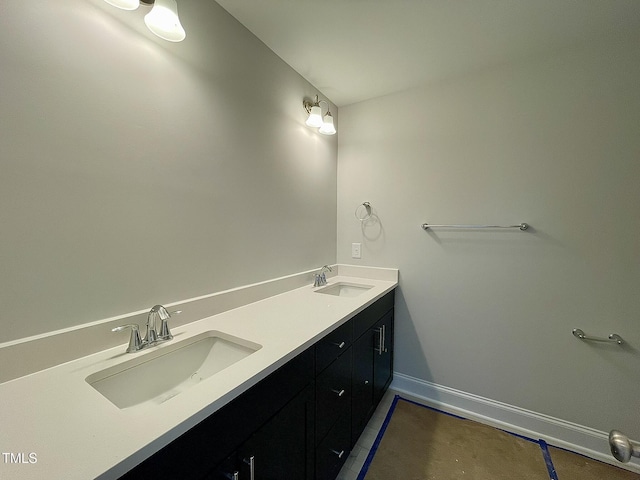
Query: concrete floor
358	455
567	464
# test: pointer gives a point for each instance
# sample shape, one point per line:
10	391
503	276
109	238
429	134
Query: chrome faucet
153	335
320	278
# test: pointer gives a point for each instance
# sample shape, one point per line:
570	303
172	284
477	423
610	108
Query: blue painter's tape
363	471
547	459
376	443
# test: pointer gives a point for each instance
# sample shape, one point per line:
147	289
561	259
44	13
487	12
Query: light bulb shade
315	117
327	127
124	4
163	20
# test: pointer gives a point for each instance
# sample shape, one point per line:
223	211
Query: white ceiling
353	50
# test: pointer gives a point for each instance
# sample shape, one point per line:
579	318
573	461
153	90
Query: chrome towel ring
363	211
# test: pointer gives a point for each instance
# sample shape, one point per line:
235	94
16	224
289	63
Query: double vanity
278	388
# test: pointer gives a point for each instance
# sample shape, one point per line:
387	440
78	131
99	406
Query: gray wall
134	171
552	141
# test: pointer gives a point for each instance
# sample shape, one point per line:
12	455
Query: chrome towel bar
613	337
521	226
621	447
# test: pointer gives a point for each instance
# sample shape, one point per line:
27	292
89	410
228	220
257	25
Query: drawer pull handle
252	465
340	345
339	454
380	340
338	392
384	338
382	332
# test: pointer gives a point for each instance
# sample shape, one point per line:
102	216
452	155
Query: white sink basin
156	375
344	289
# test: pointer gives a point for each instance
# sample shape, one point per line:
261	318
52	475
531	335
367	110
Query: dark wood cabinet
298	423
372	362
280	449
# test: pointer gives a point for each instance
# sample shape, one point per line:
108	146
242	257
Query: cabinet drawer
333	345
370	315
333	394
334	450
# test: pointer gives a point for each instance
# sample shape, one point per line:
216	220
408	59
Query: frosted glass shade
327	127
315	117
124	4
163	20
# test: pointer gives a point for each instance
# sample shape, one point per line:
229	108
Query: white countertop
76	433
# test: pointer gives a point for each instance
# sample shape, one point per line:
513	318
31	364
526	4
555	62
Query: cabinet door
362	383
227	470
280	449
283	448
383	356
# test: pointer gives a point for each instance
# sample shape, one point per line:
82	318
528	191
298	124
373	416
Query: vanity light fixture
124	4
162	20
325	124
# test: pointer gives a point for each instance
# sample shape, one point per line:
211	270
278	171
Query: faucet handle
135	342
164	333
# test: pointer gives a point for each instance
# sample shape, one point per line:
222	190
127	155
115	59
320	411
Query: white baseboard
560	433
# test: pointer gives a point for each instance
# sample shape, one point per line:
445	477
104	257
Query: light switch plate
356	250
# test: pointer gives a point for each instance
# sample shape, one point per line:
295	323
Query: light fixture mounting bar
308	105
